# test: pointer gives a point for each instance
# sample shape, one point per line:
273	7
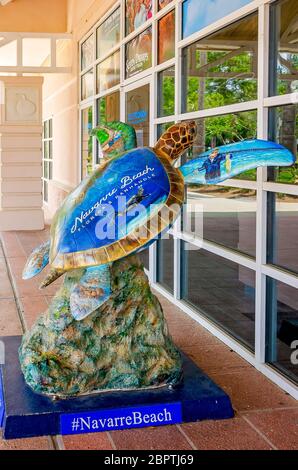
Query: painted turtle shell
123	206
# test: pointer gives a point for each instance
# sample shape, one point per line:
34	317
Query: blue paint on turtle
130	200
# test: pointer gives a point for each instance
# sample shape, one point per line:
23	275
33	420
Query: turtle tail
37	261
51	277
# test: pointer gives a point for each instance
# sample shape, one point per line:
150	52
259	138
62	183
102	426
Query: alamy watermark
112	222
294	355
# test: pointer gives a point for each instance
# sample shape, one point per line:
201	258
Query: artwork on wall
137	13
166	37
139	53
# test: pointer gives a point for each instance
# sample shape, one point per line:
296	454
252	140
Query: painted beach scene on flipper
220	163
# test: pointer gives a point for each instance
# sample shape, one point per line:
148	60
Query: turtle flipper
230	160
93	289
37	261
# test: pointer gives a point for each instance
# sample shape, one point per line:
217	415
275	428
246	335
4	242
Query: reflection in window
87	52
283	128
166	37
229	216
87	85
86	150
282	230
165	262
222	290
108	110
282	326
166	92
221	69
220	130
200	13
108	34
283	47
108	73
138	53
137	113
137	13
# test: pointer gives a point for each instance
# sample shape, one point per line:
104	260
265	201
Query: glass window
138	53
163	3
86	155
166	92
137	113
220	130
108	73
283	47
45	191
36	52
166	37
64	52
283	230
144	256
8	54
137	13
87	49
47	156
108	108
282	328
46	169
224	215
221	69
87	85
161	128
283	128
200	13
222	290
108	34
165	260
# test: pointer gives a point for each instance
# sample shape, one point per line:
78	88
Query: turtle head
177	139
115	138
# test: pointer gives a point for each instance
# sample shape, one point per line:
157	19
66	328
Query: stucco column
21	153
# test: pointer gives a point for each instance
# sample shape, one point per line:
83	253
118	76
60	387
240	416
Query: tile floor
265	416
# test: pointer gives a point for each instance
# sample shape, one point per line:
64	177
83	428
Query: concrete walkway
266	417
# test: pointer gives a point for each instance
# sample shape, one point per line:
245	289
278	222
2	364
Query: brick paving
265	416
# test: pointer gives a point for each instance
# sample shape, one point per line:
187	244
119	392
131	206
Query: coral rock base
124	344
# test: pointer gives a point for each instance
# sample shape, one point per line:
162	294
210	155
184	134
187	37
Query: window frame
262	186
50	160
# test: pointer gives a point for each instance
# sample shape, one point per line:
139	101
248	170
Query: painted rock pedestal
124	344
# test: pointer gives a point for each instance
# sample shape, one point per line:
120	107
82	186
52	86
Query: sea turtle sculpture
87	341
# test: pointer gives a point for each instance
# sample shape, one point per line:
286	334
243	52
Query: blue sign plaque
121	418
